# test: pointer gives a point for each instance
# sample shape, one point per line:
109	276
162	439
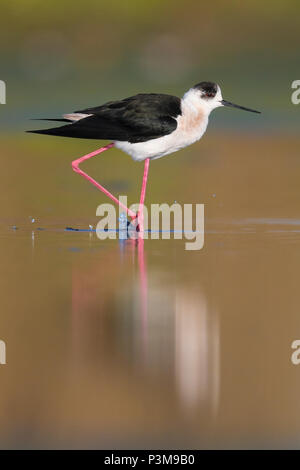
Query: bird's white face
204	97
209	101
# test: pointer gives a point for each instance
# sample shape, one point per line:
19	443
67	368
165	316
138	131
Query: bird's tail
51	119
45	131
88	128
69	130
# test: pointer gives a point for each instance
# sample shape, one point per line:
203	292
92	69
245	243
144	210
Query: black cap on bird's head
207	89
211	92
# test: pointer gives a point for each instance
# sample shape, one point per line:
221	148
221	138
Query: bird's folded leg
75	166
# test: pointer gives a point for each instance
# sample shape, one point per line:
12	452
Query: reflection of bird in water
197	350
157	330
146	126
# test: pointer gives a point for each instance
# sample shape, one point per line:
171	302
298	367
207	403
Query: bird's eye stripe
209	94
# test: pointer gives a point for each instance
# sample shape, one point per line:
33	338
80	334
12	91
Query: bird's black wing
136	119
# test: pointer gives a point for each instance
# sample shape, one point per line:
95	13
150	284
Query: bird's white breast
191	125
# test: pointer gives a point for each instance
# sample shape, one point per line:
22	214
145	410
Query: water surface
145	344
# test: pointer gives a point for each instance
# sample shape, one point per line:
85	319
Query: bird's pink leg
75	166
143	194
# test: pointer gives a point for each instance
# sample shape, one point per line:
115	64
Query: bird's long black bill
232	105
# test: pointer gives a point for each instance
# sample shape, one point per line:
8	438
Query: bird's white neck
191	104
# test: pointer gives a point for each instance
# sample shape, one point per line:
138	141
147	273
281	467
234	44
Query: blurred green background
59	56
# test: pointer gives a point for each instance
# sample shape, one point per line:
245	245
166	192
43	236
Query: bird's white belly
189	130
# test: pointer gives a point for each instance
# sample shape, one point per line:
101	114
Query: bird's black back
136	119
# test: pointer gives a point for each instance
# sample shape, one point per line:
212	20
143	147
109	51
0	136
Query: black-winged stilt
146	126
